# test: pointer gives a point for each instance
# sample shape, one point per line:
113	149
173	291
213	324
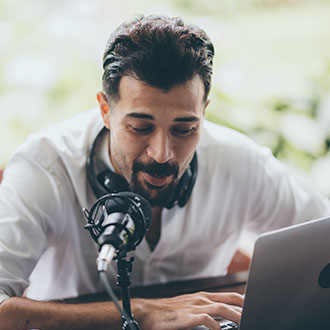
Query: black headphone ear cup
185	185
188	182
106	181
112	182
182	186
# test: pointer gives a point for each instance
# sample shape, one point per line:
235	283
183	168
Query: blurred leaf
281	106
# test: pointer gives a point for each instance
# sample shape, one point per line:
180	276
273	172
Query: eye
141	130
184	131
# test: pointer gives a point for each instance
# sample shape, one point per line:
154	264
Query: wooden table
233	282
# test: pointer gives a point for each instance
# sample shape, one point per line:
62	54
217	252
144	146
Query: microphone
117	223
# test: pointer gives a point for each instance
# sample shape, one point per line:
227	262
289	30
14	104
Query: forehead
136	94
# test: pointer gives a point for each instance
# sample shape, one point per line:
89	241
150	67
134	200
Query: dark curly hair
161	51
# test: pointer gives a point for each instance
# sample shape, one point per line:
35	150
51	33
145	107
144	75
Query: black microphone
120	225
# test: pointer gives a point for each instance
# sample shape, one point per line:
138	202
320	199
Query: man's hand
188	311
181	312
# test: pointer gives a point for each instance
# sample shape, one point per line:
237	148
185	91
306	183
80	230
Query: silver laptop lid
289	281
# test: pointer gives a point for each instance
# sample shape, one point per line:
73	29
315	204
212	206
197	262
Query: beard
157	196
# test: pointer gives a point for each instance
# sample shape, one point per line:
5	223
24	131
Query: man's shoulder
217	137
69	138
77	125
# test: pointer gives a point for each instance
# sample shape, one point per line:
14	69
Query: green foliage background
271	75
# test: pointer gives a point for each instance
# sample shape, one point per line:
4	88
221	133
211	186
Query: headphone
107	181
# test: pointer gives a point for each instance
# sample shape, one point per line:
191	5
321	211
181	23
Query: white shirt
43	244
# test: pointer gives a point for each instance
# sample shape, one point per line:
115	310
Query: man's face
153	134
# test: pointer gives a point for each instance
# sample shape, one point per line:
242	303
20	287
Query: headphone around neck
107	181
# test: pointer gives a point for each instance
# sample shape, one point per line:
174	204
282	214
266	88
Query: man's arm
18	313
181	312
279	198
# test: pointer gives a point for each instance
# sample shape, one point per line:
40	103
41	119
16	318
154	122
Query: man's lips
156	181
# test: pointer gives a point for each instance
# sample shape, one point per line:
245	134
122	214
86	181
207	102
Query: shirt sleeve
30	204
279	198
3	297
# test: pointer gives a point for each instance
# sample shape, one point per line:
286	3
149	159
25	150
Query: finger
227	312
219	310
230	298
200	298
206	320
237	308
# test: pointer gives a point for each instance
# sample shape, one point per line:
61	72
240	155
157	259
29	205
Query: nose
160	148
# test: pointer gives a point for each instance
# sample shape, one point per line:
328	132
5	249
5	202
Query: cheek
185	152
188	146
134	147
129	147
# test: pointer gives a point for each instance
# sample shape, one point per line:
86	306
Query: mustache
155	169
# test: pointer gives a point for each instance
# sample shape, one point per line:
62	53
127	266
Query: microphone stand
124	268
126	233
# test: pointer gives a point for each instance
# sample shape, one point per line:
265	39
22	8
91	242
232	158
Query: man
157	77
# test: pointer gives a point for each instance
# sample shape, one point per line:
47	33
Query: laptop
288	286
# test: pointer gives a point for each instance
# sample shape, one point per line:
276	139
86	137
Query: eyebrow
150	117
140	115
185	119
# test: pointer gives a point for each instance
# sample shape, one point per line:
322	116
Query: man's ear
104	108
206	104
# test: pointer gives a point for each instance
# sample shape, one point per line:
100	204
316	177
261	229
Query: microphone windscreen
122	201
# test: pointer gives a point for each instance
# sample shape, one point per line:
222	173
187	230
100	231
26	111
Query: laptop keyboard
229	326
225	325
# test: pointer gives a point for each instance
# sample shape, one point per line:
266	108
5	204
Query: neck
154	231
